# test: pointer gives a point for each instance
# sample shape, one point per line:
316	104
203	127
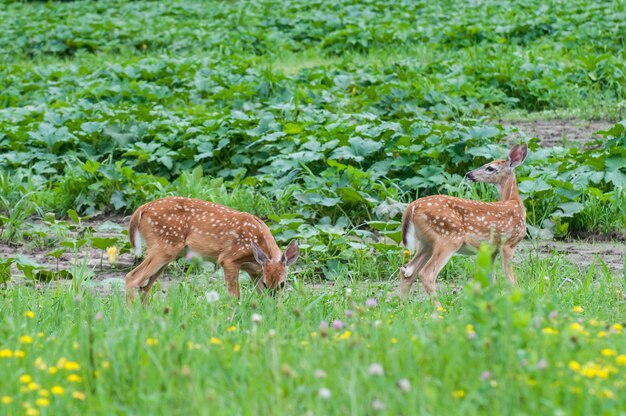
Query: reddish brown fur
235	240
439	226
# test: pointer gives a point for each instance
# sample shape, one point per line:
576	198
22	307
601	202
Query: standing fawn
438	226
235	240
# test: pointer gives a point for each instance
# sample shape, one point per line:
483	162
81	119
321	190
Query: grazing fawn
438	226
235	240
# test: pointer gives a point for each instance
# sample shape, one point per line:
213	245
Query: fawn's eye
490	169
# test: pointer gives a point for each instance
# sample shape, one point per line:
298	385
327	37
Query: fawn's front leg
231	277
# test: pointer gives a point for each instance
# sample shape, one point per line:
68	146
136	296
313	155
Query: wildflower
215	341
106	364
616	328
33	386
337	324
324	393
29	314
74	378
348	292
607	394
621	359
458	394
271	333
375	369
574	366
6	353
53	370
211	296
553	315
319	374
6	399
71	366
40	334
232	328
345	335
19	354
236	348
152	341
44	393
112	253
404	385
323	325
485	375
38	286
42	402
469	330
542	364
371	302
394	340
378	405
548	330
57	390
78	395
31	411
607	352
601	334
577	327
348	313
25	339
25	378
577	309
256	318
75	345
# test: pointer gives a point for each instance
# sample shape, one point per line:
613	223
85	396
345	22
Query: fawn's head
275	270
499	170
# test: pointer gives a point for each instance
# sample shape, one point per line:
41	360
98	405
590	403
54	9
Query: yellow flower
345	335
6	353
61	362
19	354
440	309
607	352
313	334
621	359
6	399
78	395
469	329
394	340
617	328
457	394
44	393
25	378
43	402
74	378
236	348
31	411
577	309
33	386
112	253
53	370
29	314
40	334
25	339
152	341
106	364
75	345
231	328
574	366
578	328
57	390
215	341
71	366
548	330
601	334
607	394
407	253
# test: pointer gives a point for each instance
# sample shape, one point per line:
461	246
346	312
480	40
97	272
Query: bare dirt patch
560	132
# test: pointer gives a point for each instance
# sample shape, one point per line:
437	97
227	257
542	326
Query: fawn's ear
517	155
259	254
291	253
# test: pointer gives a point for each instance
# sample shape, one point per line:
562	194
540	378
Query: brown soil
560	132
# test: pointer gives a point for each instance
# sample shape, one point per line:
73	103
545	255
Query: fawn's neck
508	190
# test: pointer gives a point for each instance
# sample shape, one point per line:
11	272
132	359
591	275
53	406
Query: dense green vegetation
324	118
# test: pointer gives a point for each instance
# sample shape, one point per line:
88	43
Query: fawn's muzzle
470	177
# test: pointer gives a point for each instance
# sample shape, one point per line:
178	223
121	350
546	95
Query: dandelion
337	324
345	335
256	318
31	411
106	364
458	394
232	328
404	385
152	342
621	359
6	399
57	390
19	354
616	328
371	302
112	254
25	378
236	348
42	402
607	352
211	296
74	378
574	365
71	366
375	369
577	327
33	386
215	341
29	314
78	395
551	331
469	330
324	393
44	393
319	374
6	353
607	394
394	340
601	334
25	339
577	309
53	370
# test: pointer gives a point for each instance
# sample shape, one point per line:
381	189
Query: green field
324	118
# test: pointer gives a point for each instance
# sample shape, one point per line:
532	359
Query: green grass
491	350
